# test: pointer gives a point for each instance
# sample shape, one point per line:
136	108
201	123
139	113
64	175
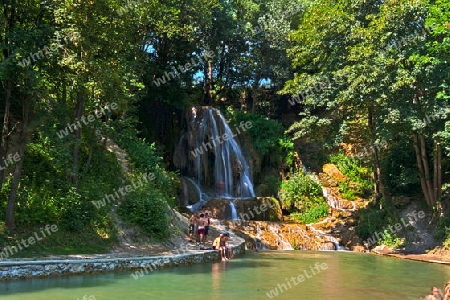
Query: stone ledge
12	270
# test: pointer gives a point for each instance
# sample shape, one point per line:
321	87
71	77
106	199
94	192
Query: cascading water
337	203
234	215
208	153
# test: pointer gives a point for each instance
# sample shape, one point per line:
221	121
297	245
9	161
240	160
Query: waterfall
337	203
282	243
234	215
329	238
208	154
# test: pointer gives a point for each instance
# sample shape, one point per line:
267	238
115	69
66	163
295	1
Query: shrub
146	207
300	193
303	197
372	219
312	215
353	169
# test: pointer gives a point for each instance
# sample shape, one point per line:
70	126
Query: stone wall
10	270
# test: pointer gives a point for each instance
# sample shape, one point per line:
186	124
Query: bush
303	197
263	143
372	219
443	229
300	193
273	142
312	215
146	208
390	239
357	173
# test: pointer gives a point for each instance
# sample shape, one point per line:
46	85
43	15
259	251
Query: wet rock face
258	208
264	235
327	246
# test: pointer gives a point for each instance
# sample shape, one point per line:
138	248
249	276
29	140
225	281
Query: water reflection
216	275
349	276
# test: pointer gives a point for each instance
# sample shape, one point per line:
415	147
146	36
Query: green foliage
300	193
390	239
47	196
443	229
146	207
346	191
303	197
287	145
273	184
312	215
273	144
372	219
273	131
353	169
401	176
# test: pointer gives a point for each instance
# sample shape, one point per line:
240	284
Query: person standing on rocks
192	221
201	223
208	221
223	247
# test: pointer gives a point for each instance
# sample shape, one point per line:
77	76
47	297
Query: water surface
347	276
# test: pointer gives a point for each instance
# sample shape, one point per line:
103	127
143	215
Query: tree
370	50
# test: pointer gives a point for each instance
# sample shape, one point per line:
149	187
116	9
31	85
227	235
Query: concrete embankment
22	269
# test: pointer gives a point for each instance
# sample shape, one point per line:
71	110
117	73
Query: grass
61	242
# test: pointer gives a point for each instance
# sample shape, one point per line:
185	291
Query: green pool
290	274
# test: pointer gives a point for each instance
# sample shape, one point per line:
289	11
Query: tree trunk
439	181
426	168
91	149
437	162
205	85
5	134
378	177
76	150
431	187
423	183
210	81
255	93
10	221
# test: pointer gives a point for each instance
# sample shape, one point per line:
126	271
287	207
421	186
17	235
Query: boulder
333	172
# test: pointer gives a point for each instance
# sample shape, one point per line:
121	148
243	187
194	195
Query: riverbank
88	264
133	252
439	256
